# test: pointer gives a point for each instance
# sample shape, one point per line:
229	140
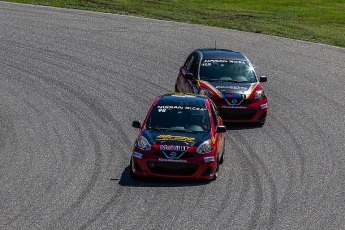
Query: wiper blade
179	130
218	80
153	128
207	79
234	81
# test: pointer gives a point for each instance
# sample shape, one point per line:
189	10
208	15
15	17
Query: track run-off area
72	82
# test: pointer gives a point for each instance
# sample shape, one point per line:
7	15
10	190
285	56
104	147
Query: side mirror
221	129
263	79
189	76
136	124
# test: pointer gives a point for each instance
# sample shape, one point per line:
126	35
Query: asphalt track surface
71	83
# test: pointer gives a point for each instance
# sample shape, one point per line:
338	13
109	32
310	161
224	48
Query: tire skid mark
291	181
152	211
22	206
312	125
309	126
90	184
118	82
100	113
103	209
225	201
26	206
252	163
178	213
106	118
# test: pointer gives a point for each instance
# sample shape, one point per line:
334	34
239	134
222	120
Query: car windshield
178	119
227	70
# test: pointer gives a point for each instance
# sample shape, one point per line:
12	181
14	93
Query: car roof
176	99
209	53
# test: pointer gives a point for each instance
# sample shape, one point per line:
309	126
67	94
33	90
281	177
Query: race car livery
229	79
181	137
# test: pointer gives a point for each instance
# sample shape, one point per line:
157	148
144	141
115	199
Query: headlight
205	147
206	92
259	95
143	144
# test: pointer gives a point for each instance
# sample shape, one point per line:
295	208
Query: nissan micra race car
229	79
181	137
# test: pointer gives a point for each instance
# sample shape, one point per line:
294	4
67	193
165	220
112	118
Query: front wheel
262	122
222	158
131	174
176	89
216	173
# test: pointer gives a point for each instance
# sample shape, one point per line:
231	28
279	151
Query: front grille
176	169
179	155
246	102
239	101
237	114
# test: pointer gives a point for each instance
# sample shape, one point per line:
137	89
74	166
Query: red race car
181	137
229	79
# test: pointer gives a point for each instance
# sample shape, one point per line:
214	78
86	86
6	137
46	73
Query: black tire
221	161
176	89
262	122
131	174
216	173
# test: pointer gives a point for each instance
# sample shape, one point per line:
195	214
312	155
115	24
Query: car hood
230	87
175	138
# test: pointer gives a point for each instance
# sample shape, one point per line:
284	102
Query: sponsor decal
164	108
232	87
171	160
137	155
195	108
209	159
232	95
174	138
173	147
233	107
264	106
206	62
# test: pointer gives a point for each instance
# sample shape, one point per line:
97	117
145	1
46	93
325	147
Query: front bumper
254	112
198	168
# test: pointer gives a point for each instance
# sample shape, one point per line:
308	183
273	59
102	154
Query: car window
227	70
178	118
191	64
214	113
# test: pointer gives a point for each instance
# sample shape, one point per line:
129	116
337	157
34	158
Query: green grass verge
318	21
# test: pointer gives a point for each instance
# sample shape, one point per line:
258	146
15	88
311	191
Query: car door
220	137
190	66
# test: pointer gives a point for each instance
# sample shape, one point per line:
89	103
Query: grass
321	21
